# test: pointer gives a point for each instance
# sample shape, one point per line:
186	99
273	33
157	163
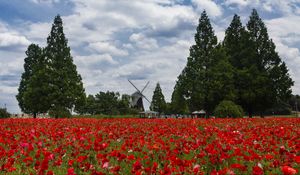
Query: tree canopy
158	102
33	95
245	68
50	81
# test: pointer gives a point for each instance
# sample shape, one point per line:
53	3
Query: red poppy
286	170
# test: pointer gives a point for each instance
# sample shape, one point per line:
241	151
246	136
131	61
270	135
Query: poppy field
150	146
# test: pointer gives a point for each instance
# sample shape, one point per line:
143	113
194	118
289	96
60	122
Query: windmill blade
146	98
145	87
134	86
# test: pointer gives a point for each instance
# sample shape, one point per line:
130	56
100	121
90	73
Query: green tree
178	101
294	102
107	103
196	76
240	51
158	102
66	85
33	89
235	43
90	105
273	81
221	79
169	109
4	113
124	104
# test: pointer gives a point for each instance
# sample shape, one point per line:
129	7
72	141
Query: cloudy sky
140	40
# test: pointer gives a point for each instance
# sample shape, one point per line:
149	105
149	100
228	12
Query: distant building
149	114
199	114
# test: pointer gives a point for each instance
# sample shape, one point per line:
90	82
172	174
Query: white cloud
284	25
282	7
104	47
94	59
143	42
9	39
212	9
37	32
240	3
45	1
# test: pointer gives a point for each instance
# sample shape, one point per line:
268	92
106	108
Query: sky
141	40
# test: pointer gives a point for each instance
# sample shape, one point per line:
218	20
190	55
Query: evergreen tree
241	52
4	113
178	101
66	85
33	88
158	102
196	74
124	104
90	105
222	79
294	102
234	42
273	81
245	69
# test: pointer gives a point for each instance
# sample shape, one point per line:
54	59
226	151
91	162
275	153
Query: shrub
228	109
4	113
60	113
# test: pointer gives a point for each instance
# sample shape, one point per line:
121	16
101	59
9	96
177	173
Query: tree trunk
34	115
250	113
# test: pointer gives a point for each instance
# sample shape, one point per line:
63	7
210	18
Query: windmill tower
137	97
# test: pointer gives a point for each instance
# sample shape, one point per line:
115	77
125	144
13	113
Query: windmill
137	97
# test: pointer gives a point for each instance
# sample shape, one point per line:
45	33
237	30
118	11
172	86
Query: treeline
108	103
112	103
4	113
244	68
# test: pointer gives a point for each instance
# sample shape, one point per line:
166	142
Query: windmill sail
137	97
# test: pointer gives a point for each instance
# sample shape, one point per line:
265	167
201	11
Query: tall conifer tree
158	102
274	82
221	76
196	74
66	83
178	100
241	52
234	42
33	88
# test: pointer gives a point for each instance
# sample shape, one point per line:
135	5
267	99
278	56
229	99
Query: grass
106	116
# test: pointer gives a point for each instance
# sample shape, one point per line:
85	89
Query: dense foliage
244	68
4	113
228	109
50	81
33	95
150	146
158	102
294	102
60	113
196	75
108	103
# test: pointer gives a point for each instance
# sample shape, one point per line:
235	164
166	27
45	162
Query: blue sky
141	40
